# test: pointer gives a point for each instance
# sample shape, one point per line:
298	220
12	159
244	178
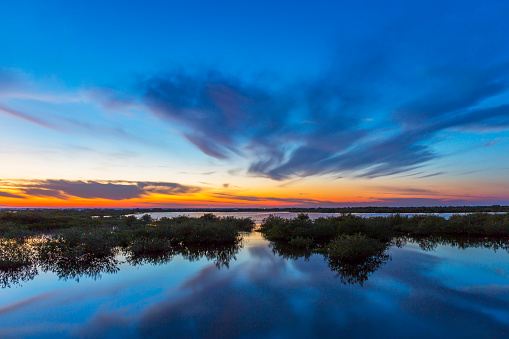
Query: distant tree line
369	209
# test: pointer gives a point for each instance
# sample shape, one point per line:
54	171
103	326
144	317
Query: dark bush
354	248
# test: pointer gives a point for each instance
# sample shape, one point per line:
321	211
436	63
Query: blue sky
278	103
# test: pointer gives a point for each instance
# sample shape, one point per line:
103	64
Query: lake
420	289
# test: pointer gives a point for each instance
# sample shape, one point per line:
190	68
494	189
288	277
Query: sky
254	104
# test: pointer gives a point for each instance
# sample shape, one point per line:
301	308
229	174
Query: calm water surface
265	292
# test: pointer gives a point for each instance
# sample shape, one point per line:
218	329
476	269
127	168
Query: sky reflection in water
444	292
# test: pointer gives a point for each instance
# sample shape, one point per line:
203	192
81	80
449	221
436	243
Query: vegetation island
86	242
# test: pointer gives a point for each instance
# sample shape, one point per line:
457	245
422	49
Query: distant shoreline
394	210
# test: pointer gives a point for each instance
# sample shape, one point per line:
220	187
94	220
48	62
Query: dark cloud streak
112	190
250	198
10	195
390	91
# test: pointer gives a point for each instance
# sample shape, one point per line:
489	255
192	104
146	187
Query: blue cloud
394	85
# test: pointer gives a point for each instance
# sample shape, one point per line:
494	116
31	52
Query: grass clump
300	242
322	230
352	248
355	246
205	230
83	231
74	245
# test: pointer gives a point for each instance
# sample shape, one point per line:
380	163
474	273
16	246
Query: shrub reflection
21	261
355	247
349	269
16	263
73	247
89	250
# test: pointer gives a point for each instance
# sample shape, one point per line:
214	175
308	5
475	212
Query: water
265	291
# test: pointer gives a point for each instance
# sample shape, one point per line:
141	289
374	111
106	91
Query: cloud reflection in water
264	294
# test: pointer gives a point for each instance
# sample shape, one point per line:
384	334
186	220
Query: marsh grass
347	240
323	230
74	228
354	248
74	245
346	255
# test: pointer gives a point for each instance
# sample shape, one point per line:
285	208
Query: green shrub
428	224
325	229
300	242
350	224
353	248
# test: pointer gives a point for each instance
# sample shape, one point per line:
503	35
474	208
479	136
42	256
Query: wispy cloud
16	87
376	113
416	202
26	117
251	198
430	175
391	190
388	93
